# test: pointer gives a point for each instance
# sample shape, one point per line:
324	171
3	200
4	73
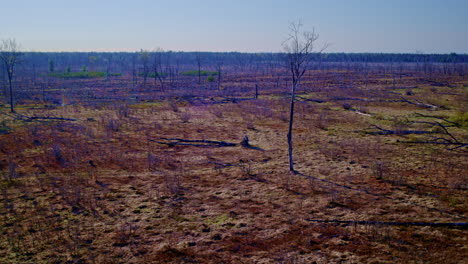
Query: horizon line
242	52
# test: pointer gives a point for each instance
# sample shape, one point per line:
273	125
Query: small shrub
202	73
413	138
113	125
437	129
322	121
378	169
57	152
217	112
283	117
249	124
185	117
173	105
400	125
347	106
379	116
153	162
12	173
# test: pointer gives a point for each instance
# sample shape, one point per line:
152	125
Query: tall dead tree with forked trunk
299	47
9	55
144	56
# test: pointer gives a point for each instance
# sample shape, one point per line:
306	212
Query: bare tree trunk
34	74
134	75
219	77
256	91
199	68
12	109
9	54
291	119
4	84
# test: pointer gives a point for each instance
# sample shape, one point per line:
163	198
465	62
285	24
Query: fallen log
383	131
51	118
353	99
438	117
461	225
39	118
310	100
193	143
219	165
456	144
361	113
419	103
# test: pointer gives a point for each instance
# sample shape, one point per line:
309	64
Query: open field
99	171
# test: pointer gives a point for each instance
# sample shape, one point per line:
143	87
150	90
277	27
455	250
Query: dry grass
98	190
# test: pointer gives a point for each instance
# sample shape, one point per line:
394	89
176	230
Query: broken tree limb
193	143
457	145
439	125
245	143
219	165
437	143
361	113
419	103
51	118
42	118
310	100
461	225
401	100
383	131
354	99
438	117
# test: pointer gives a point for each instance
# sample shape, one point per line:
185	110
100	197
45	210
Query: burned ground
108	185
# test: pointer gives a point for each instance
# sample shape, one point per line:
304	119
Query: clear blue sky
429	26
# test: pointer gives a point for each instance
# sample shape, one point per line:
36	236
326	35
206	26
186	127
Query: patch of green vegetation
219	220
202	73
210	78
153	74
379	116
413	138
457	201
180	218
461	119
81	75
4	129
32	106
146	104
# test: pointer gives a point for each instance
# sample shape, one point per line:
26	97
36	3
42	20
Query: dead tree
298	47
144	56
199	60
219	66
134	73
158	67
108	61
10	55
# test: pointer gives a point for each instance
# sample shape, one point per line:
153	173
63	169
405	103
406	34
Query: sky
400	26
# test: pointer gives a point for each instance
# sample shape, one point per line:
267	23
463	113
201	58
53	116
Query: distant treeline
64	59
170	63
